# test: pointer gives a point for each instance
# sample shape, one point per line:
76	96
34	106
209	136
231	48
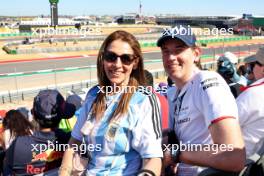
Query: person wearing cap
237	78
232	57
227	67
120	117
40	152
251	107
202	110
228	71
68	124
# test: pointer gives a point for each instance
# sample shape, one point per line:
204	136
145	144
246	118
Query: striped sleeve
147	132
156	115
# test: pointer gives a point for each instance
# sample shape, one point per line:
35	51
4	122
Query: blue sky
149	7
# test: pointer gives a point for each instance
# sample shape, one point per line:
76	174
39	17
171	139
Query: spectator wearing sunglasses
251	107
124	125
249	72
202	111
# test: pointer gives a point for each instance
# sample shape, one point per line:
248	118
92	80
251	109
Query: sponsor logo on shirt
49	160
211	82
184	111
188	119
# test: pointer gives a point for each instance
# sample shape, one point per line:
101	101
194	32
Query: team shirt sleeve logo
211	82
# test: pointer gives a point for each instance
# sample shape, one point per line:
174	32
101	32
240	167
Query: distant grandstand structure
202	21
245	25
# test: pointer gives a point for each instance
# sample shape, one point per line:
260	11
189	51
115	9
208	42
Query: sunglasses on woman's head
126	59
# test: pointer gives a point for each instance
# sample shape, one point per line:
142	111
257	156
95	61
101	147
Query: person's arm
75	140
147	136
219	110
152	164
225	132
66	165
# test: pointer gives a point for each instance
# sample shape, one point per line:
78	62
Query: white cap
231	56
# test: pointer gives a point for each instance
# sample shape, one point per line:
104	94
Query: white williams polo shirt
251	115
204	100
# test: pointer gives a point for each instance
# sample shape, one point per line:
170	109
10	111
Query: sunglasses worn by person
252	65
258	63
126	59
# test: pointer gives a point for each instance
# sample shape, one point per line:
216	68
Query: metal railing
28	95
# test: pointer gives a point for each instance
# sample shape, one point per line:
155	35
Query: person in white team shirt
251	107
124	127
202	109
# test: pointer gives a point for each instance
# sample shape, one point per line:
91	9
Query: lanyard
178	103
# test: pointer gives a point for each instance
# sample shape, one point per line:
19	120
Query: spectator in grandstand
2	151
234	60
242	70
162	88
251	107
232	57
250	75
149	78
14	125
2	114
124	124
202	110
26	113
228	71
41	151
68	124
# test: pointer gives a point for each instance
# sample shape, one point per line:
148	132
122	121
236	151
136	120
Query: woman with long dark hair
14	124
120	118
